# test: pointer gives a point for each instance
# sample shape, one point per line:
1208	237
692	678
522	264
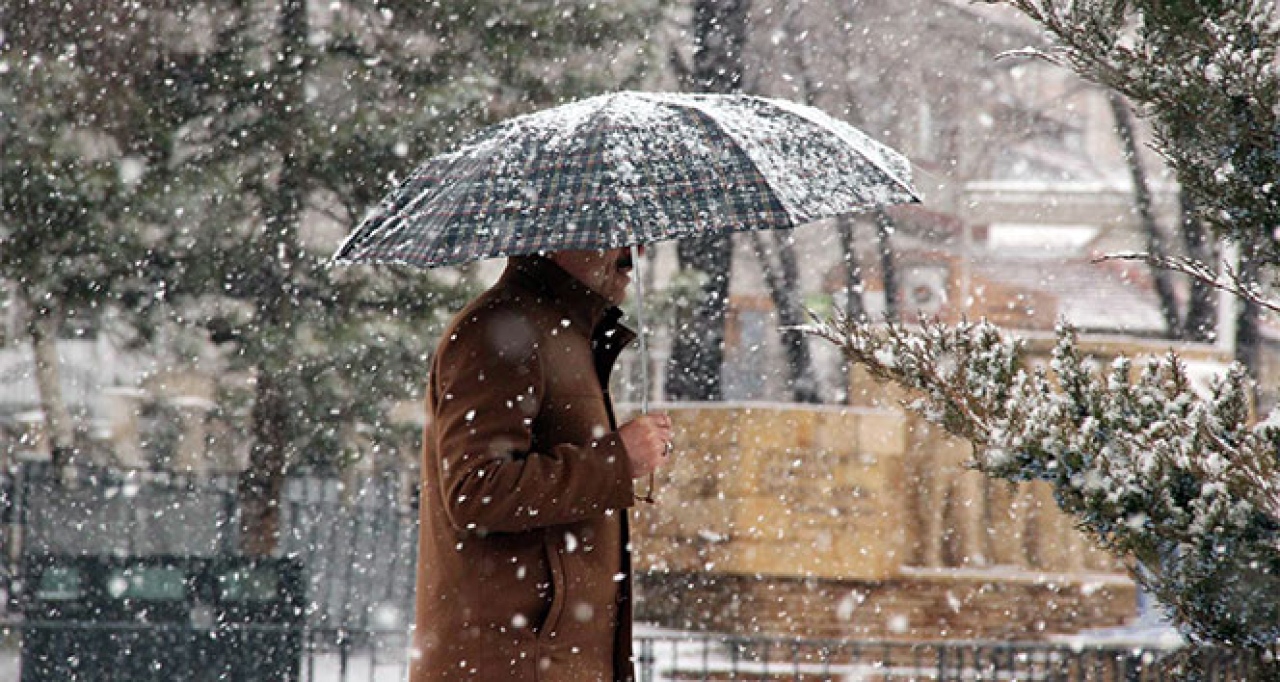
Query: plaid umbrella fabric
629	168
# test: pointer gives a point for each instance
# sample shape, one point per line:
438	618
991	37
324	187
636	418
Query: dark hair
528	259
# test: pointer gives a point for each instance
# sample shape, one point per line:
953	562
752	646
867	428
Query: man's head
605	272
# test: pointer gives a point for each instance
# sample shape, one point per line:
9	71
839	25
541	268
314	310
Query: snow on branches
1207	74
1179	481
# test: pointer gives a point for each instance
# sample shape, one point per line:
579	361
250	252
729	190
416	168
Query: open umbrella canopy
629	168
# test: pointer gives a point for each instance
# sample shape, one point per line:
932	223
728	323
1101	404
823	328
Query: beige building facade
858	522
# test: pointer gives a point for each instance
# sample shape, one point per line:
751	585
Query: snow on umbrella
629	168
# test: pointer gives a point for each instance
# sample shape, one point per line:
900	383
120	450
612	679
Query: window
148	583
249	584
60	583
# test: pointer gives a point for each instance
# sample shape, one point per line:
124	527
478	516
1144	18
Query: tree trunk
854	307
697	351
1248	351
697	348
888	273
781	281
261	483
1200	322
1142	203
42	328
720	34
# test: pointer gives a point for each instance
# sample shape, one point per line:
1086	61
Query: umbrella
629	168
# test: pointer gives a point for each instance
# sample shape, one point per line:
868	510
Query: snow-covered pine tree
1178	481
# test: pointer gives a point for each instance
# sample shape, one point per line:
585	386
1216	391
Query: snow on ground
385	667
1150	630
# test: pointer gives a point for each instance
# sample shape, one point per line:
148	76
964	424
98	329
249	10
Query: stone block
882	433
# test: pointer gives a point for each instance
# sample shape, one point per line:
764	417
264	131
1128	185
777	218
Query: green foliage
1145	464
64	178
194	164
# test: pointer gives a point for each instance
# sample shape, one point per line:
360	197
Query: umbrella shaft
644	344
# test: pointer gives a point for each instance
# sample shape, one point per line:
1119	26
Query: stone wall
916	606
857	521
755	484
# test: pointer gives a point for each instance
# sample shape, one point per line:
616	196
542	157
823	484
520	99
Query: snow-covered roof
1092	296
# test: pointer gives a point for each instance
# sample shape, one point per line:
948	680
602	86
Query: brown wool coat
523	566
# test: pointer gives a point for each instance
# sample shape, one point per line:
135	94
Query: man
523	564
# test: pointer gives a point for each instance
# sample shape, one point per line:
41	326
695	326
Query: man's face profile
605	272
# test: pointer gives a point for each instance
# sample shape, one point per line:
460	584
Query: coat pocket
558	585
585	561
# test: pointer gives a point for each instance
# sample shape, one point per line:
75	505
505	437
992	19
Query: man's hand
647	439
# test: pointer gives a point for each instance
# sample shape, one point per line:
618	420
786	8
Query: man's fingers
648	440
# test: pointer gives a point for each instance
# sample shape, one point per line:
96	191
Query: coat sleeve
486	387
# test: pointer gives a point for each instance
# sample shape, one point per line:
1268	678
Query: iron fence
360	553
328	655
750	659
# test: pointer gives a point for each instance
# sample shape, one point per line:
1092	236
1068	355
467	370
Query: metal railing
671	658
340	656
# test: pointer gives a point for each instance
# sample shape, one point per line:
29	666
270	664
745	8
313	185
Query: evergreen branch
1230	280
1053	56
